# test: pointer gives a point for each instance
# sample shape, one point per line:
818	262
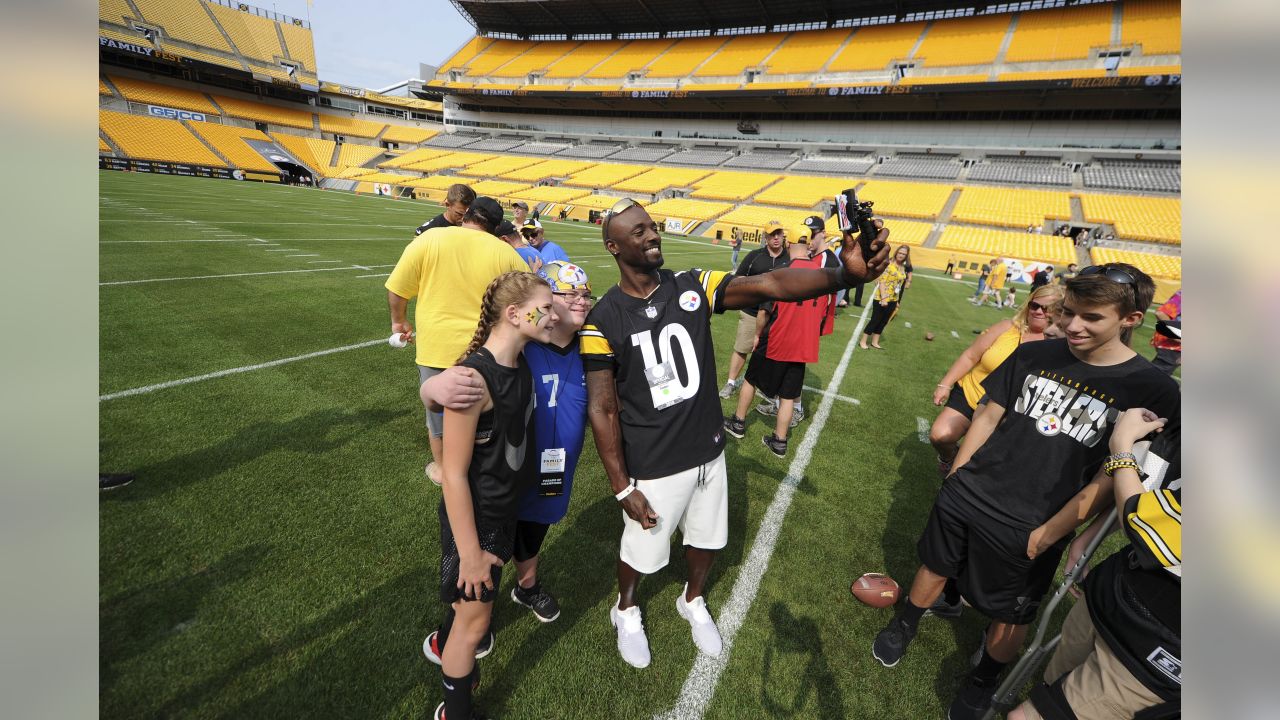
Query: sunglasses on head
1114	274
621	206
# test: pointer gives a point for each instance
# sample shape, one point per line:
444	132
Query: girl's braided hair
509	288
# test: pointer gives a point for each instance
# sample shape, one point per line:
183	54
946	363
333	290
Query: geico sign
172	114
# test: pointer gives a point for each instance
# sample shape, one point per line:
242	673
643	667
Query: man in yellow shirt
448	269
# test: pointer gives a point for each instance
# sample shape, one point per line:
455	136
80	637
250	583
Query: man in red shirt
787	335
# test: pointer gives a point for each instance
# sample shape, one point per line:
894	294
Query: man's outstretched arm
796	284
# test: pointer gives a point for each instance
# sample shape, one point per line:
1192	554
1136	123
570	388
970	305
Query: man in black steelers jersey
655	414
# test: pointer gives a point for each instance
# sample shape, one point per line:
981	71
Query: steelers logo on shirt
1049	425
690	301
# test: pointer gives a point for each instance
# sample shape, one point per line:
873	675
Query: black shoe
735	426
944	609
431	647
543	605
891	644
111	481
776	446
971	702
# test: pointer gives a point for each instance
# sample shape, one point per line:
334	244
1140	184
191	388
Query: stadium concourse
1043	133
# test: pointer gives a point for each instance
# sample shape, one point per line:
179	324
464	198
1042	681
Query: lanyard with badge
552	465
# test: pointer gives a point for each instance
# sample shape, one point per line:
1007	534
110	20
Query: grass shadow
799	636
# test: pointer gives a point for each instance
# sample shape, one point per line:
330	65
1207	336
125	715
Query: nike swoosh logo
447	686
515	453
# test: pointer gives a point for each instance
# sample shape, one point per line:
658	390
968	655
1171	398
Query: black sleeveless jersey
503	461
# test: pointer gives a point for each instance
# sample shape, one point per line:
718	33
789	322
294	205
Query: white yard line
922	429
700	685
375	275
315	262
304	255
233	371
228	275
837	396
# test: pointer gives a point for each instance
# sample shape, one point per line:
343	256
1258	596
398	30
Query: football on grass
876	590
928	336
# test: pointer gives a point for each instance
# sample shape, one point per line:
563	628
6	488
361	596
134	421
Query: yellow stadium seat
474	47
742	51
300	44
660	178
907	232
633	56
1011	207
405	134
802	191
1156	25
728	185
184	20
355	127
253	36
906	199
414	156
757	215
314	153
1136	217
547	169
351	154
434	182
448	161
684	56
148	138
685	209
103	147
497	188
806	51
538	58
873	46
497	54
604	175
1168	267
115	11
1052	74
596	202
229	141
1004	243
262	112
582	58
548	194
210	58
498	166
1060	34
141	91
103	89
963	41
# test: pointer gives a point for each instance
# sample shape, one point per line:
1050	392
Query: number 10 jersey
670	416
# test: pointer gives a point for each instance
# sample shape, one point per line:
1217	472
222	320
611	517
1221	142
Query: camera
853	214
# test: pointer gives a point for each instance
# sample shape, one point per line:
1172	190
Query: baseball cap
531	225
772	227
520	204
562	276
815	223
505	228
799	234
488	209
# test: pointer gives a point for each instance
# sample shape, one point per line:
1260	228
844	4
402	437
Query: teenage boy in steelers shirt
654	410
1021	483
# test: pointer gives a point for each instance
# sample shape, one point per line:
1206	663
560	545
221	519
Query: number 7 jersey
663	361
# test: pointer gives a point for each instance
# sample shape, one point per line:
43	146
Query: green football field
278	554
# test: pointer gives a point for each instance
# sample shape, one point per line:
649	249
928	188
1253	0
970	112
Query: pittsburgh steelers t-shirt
1058	417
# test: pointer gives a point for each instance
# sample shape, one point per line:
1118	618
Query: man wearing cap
448	270
508	232
456	201
769	256
786	339
537	238
520	214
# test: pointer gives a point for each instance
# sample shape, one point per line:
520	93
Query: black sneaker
431	647
543	605
891	644
971	703
111	481
776	446
943	609
735	426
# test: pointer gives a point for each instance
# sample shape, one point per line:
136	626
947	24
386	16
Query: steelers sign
1049	424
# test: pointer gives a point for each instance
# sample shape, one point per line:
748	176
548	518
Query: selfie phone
853	214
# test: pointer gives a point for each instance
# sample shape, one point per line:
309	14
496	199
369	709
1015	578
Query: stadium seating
684	56
149	93
115	11
255	37
1060	34
659	179
351	154
802	191
595	202
594	150
496	144
313	152
1137	218
1156	25
906	199
466	53
603	176
910	167
1004	243
687	209
874	46
184	20
433	182
907	232
1009	207
762	159
833	163
354	127
453	140
964	41
261	112
544	169
541	147
405	134
413	156
699	156
498	166
495	55
497	188
448	161
103	147
1161	266
757	215
741	52
806	52
545	194
1153	179
229	141
536	59
103	89
148	138
643	153
633	56
299	44
578	61
995	170
731	185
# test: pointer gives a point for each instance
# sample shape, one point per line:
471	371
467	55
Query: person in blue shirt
507	232
537	237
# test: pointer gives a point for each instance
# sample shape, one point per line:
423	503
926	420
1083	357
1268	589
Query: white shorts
695	500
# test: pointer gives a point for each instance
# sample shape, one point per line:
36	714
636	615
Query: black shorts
957	401
775	378
987	558
497	540
529	537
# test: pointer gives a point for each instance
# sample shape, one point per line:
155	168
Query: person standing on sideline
737	248
951	264
447	269
655	417
456	201
995	283
886	298
770	256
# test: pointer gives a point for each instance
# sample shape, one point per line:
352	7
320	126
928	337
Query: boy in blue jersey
560	419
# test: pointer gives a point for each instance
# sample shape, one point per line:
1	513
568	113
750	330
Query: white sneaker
633	646
705	633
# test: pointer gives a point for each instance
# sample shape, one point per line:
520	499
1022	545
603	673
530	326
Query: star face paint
534	316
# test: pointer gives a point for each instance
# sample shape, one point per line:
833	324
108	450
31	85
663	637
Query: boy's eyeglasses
572	298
